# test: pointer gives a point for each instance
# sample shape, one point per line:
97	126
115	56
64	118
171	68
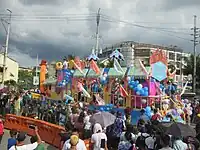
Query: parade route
3	145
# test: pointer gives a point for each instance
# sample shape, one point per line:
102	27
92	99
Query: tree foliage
25	80
188	69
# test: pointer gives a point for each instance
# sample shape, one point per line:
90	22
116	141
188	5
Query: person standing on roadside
17	105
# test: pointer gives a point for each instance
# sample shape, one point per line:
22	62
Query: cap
21	136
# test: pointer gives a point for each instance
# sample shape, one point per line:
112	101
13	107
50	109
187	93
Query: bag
103	143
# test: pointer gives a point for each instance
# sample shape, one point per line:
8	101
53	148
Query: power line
149	28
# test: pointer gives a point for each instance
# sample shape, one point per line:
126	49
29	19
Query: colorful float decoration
117	87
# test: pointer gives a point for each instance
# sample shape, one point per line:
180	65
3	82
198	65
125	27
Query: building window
178	72
178	65
171	56
142	52
178	57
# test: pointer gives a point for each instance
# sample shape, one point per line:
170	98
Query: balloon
101	108
138	93
148	109
139	86
173	111
136	89
132	83
146	88
105	75
72	71
142	92
186	101
146	93
131	86
144	101
128	78
137	82
198	115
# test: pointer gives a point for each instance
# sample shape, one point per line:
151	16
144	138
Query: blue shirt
11	142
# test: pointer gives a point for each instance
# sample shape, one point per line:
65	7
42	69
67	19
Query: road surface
3	145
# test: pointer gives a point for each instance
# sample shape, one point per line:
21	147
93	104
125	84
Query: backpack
141	141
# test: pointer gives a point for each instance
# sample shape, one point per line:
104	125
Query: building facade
133	51
12	69
25	69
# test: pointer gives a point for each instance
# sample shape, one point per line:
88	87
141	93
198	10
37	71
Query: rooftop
137	45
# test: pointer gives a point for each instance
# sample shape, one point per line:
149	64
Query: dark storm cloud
176	4
52	40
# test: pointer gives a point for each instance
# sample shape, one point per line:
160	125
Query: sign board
35	80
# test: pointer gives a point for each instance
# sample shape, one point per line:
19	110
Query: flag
78	62
122	91
77	66
94	66
117	66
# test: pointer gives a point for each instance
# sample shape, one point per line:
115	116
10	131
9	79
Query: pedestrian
12	140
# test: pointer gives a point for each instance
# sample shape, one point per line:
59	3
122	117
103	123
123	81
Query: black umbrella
180	129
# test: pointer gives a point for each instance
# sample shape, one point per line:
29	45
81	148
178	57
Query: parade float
136	87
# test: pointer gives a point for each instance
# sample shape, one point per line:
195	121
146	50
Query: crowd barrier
48	132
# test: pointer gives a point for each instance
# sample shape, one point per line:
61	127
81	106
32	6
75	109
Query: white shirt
79	146
180	145
25	147
96	139
149	141
166	148
65	64
87	123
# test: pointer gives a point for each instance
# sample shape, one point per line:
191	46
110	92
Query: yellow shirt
17	104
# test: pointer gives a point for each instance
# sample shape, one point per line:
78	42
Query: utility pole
6	47
97	33
195	43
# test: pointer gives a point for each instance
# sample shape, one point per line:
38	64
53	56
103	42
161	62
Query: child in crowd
12	140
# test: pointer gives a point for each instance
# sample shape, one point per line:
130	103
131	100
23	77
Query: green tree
25	80
188	69
10	82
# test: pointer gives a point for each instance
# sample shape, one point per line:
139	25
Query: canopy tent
78	74
114	73
137	72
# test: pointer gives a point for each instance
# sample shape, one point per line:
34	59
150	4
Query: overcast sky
55	28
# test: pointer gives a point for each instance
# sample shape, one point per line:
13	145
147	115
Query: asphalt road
3	145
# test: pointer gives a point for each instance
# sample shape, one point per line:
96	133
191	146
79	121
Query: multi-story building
12	68
133	51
